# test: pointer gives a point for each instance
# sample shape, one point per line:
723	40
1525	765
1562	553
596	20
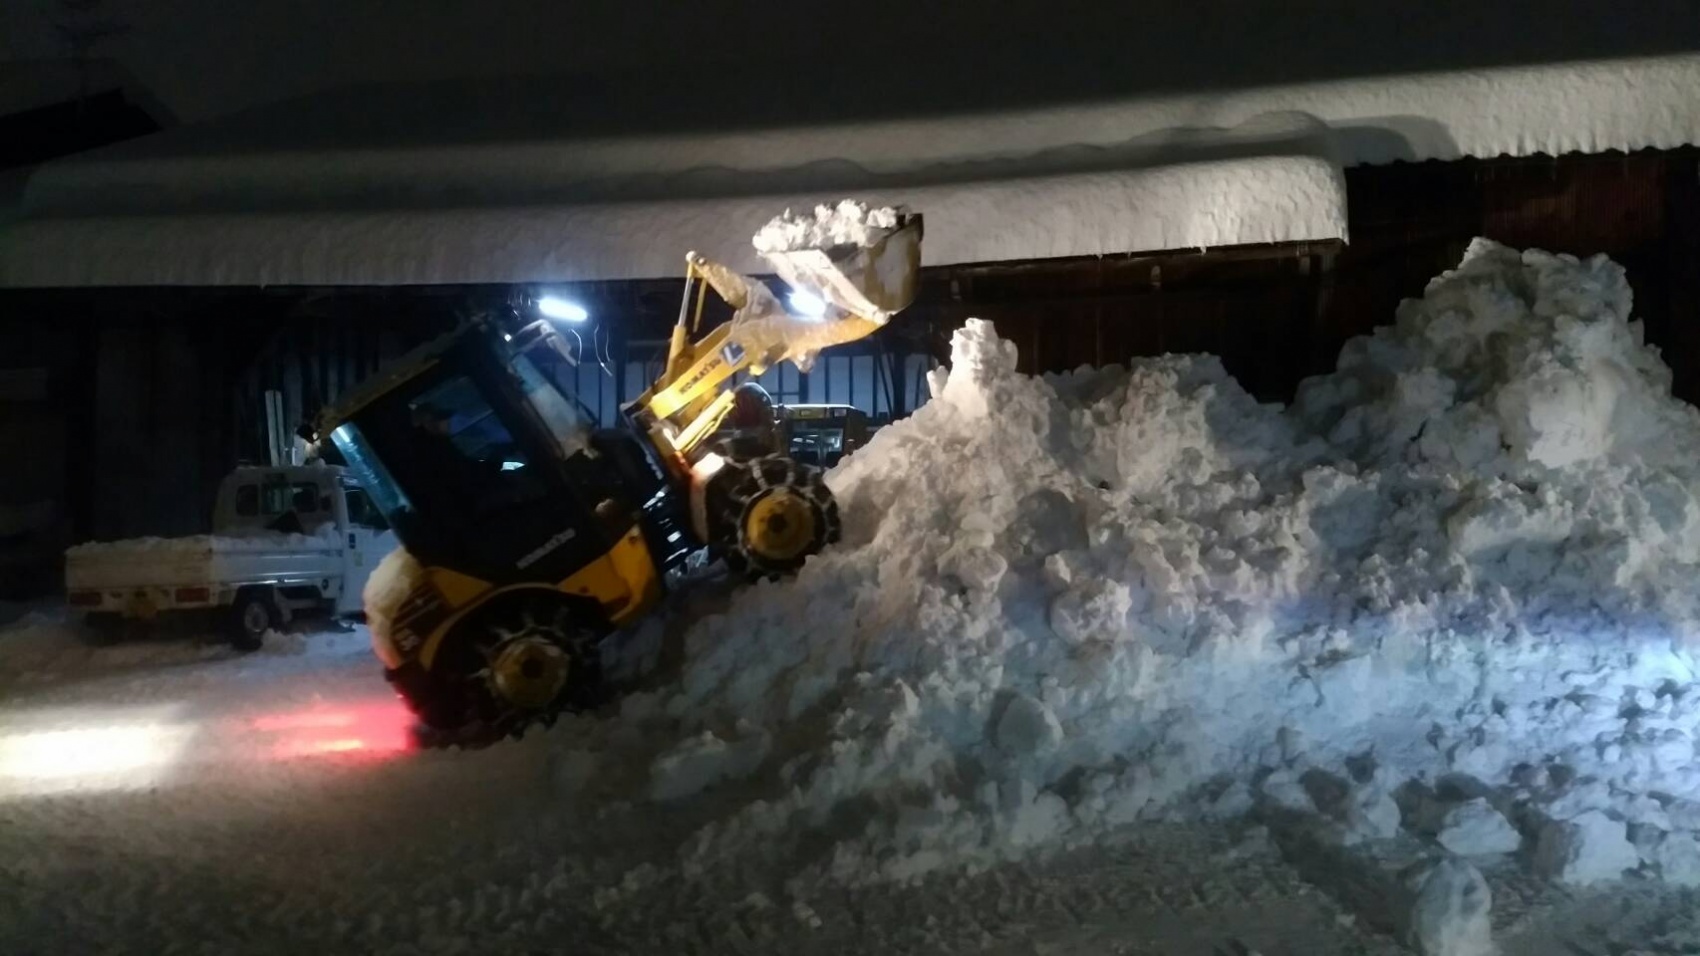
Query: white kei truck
288	540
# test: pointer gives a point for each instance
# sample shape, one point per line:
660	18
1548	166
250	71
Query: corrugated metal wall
159	389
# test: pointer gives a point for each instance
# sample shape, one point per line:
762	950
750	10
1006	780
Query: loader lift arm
861	286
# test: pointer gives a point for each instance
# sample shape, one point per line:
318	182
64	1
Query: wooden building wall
1278	314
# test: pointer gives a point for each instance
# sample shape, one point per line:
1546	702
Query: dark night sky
647	64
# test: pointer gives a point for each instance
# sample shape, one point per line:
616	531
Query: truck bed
198	560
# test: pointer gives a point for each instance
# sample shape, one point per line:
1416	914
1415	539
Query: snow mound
389	584
323	537
1512	360
1064	604
848	223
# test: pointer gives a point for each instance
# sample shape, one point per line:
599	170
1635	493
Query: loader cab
481	463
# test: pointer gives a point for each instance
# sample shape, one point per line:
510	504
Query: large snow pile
1460	568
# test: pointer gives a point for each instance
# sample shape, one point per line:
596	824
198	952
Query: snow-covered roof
354	189
552	211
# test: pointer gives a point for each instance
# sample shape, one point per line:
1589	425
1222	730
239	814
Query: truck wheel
253	613
104	628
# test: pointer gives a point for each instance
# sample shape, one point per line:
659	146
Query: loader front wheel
771	513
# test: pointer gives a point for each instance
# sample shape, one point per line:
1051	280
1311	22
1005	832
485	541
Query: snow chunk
1589	848
1678	858
1091	611
1364	810
1372	815
1475	828
1450	913
1037	821
389	584
980	363
849	222
696	764
1282	789
1027	727
975	567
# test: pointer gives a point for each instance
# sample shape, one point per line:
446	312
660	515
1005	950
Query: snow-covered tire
736	497
460	703
252	614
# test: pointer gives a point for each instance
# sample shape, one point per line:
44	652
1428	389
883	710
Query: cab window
571	430
306	497
362	512
459	443
274	498
374	475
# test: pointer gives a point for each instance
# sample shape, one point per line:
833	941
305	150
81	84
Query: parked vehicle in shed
823	434
287	541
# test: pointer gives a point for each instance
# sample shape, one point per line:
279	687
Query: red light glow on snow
373	730
305	720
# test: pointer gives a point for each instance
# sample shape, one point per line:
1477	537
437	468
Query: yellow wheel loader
531	534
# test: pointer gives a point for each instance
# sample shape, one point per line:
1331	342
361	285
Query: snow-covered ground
1116	661
175	797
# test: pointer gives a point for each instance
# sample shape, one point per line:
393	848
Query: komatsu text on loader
534	533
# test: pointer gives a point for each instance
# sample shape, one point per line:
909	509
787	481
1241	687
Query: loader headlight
806	305
564	310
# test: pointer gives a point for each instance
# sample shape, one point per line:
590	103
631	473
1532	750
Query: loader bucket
874	281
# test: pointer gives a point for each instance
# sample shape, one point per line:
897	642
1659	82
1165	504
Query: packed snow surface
1070	603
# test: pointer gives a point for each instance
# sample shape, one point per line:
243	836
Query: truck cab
286	541
314	500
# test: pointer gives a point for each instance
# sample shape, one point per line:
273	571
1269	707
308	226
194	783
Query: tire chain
766	474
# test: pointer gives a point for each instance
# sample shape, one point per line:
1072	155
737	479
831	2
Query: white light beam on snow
106	756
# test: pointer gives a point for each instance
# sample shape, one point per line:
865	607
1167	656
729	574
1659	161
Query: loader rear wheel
771	513
519	661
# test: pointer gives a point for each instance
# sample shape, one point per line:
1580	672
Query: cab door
367	538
